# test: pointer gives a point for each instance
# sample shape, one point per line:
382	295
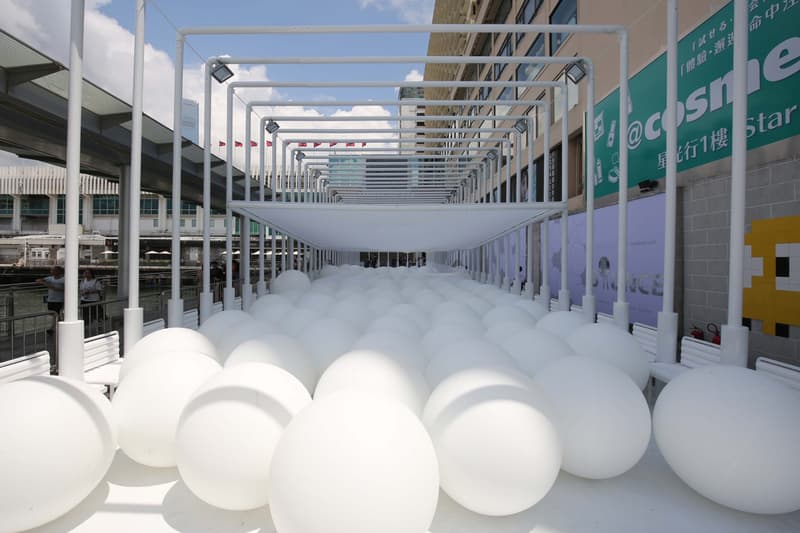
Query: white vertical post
588	303
544	227
175	310
229	294
244	233
70	330
734	335
667	336
621	307
531	197
274	182
206	296
261	287
563	293
133	315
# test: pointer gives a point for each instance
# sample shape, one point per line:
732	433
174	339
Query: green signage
705	76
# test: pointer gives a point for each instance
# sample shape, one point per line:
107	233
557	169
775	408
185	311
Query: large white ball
217	326
354	463
270	308
534	348
562	323
404	326
499	453
228	432
165	341
614	346
353	309
504	314
411	312
498	333
602	417
281	351
377	374
732	435
149	402
298	319
536	309
326	339
242	332
319	301
394	344
445	334
290	281
57	445
465	354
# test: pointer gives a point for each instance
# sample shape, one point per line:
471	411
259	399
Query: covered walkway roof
33	125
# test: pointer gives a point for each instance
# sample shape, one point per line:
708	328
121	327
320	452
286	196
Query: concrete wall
772	191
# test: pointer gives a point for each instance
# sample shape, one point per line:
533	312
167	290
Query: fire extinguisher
697	333
714	330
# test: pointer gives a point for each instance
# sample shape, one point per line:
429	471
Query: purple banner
645	257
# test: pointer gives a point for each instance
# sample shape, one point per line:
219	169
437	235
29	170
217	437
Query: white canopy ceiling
395	227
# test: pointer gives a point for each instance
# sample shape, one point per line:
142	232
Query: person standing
55	289
91	290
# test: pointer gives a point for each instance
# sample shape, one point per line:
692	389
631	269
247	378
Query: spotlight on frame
221	72
272	126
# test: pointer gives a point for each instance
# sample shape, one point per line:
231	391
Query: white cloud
108	63
414	75
411	11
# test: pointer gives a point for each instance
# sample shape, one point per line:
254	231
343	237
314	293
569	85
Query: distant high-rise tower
416	114
190	121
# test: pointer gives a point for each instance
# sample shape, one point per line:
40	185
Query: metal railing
28	333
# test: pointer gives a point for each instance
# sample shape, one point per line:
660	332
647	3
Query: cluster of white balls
420	381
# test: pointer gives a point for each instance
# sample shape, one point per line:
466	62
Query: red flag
363	144
237	144
350	144
222	143
253	143
302	145
317	144
332	144
269	143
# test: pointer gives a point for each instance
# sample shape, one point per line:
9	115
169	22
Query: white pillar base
261	288
175	313
622	313
563	299
734	345
528	292
70	349
543	296
247	296
482	277
505	284
228	295
206	305
589	307
132	323
667	338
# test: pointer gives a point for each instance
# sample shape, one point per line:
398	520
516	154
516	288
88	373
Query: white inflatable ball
242	332
459	319
270	309
499	452
290	281
297	320
505	314
57	445
326	339
397	323
498	333
149	402
614	346
354	310
462	355
228	432
217	326
562	323
376	374
533	349
281	351
731	434
477	304
380	305
411	312
443	335
318	301
536	309
353	463
602	417
165	341
394	344
426	298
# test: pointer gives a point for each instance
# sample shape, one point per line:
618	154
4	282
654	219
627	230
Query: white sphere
380	449
398	323
148	403
499	333
461	355
506	313
318	301
498	451
228	432
444	334
394	344
297	319
290	281
377	374
165	341
613	346
562	323
326	339
281	351
536	309
411	312
57	445
270	308
731	434
534	348
242	332
602	417
354	310
217	326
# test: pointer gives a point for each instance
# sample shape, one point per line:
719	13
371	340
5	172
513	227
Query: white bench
36	364
576	308
646	335
237	303
605	318
190	319
783	372
216	307
694	353
101	360
152	326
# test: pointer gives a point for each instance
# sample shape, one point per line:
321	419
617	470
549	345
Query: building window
566	12
573	95
485	90
187	208
541	123
529	71
502	12
148	206
554	178
155	222
506	50
194	222
35	205
106	204
527	13
506	94
6	204
183	222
